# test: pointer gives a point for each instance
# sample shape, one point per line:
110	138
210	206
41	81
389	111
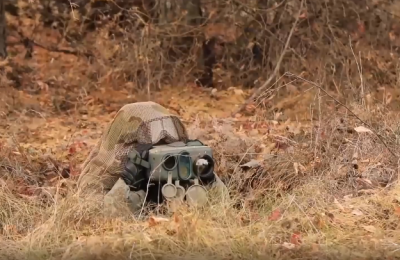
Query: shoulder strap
140	154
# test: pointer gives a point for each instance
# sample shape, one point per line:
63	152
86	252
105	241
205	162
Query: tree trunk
183	19
3	35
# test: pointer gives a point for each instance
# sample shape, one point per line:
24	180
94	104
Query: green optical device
180	161
190	164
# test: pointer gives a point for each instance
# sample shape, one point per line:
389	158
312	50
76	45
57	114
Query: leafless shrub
239	40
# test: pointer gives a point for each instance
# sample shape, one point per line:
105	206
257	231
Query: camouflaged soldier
136	126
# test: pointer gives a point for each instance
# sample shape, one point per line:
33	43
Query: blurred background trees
213	43
3	31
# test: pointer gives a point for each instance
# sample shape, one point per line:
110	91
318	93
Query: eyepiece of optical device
204	166
169	162
184	166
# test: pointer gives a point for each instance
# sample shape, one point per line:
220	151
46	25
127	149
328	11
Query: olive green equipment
180	170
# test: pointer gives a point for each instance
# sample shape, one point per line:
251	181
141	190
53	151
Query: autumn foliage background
311	163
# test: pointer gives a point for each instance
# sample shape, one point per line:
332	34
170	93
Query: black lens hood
209	170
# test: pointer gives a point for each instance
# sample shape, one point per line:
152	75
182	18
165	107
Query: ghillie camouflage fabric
136	123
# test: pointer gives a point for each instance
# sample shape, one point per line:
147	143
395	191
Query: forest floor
324	186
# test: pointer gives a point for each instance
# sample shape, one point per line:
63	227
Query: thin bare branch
277	67
348	109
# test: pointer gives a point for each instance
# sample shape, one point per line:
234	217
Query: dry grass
318	209
319	189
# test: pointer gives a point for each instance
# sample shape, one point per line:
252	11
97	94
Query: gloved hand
133	176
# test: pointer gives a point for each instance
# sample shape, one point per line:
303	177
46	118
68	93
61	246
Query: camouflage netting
134	124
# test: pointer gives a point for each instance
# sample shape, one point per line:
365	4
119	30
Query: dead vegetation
326	189
307	178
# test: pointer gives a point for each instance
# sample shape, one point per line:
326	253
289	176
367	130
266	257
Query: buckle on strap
135	157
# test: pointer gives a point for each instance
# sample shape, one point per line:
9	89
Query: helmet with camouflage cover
134	124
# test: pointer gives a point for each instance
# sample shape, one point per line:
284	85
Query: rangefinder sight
180	161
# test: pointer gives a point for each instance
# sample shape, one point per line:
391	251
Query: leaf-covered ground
315	189
308	179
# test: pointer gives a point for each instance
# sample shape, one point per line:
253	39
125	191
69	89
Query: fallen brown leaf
357	212
276	214
338	205
288	245
397	210
370	228
156	220
295	239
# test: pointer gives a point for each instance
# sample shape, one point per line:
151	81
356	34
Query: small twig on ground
29	43
54	49
277	67
348	109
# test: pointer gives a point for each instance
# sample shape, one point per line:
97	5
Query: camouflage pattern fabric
136	123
